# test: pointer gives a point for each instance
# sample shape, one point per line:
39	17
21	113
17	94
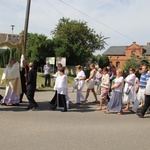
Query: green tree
103	61
131	63
95	59
4	57
38	48
135	62
76	41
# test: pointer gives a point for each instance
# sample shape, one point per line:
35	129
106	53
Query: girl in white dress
129	85
90	84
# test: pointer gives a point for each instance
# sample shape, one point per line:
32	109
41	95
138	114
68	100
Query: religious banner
61	60
10	40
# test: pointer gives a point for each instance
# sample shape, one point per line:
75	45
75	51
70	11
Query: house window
117	64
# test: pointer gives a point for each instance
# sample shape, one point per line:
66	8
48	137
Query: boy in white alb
61	86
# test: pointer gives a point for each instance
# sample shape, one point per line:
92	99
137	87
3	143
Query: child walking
61	86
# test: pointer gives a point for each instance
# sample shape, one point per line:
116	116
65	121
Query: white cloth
61	85
11	72
130	83
140	97
119	80
11	76
80	83
148	87
105	82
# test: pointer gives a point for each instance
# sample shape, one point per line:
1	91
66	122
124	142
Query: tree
4	57
103	61
95	59
135	62
38	48
76	41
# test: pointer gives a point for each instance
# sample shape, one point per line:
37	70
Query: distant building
119	54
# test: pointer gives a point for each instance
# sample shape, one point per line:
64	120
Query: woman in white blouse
80	84
130	86
115	102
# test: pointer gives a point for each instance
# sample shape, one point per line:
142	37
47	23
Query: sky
123	21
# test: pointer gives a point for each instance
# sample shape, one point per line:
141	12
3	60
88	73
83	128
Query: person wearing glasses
129	89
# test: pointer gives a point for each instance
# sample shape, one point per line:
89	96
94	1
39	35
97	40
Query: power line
96	20
54	8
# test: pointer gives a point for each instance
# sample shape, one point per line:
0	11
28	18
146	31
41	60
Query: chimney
148	43
134	42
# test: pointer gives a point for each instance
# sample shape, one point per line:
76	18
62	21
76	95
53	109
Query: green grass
40	81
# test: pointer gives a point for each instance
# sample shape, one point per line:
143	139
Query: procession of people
113	90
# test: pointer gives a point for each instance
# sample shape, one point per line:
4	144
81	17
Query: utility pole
25	35
26	24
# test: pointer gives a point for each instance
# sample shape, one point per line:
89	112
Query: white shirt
80	74
119	80
130	79
105	82
47	69
61	85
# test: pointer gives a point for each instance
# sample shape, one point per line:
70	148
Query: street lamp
12	27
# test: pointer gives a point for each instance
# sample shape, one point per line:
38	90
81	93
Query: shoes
120	113
28	108
78	103
140	115
17	104
148	112
53	108
65	110
35	109
3	104
95	101
132	111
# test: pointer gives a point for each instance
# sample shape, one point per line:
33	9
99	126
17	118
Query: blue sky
124	21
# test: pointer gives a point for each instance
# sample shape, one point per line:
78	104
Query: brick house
119	54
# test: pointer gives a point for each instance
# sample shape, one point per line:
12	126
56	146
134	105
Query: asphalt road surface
81	128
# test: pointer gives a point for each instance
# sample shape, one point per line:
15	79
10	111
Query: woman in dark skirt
115	103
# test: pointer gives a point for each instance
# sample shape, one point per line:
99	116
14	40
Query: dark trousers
63	100
21	96
47	80
146	105
54	100
30	96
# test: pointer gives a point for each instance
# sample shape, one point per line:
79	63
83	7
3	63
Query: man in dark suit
31	87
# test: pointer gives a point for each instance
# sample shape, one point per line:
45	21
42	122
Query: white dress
80	85
130	83
91	82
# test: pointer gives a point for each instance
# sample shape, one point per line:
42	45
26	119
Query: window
117	64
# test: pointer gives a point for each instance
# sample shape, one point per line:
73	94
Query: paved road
81	128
